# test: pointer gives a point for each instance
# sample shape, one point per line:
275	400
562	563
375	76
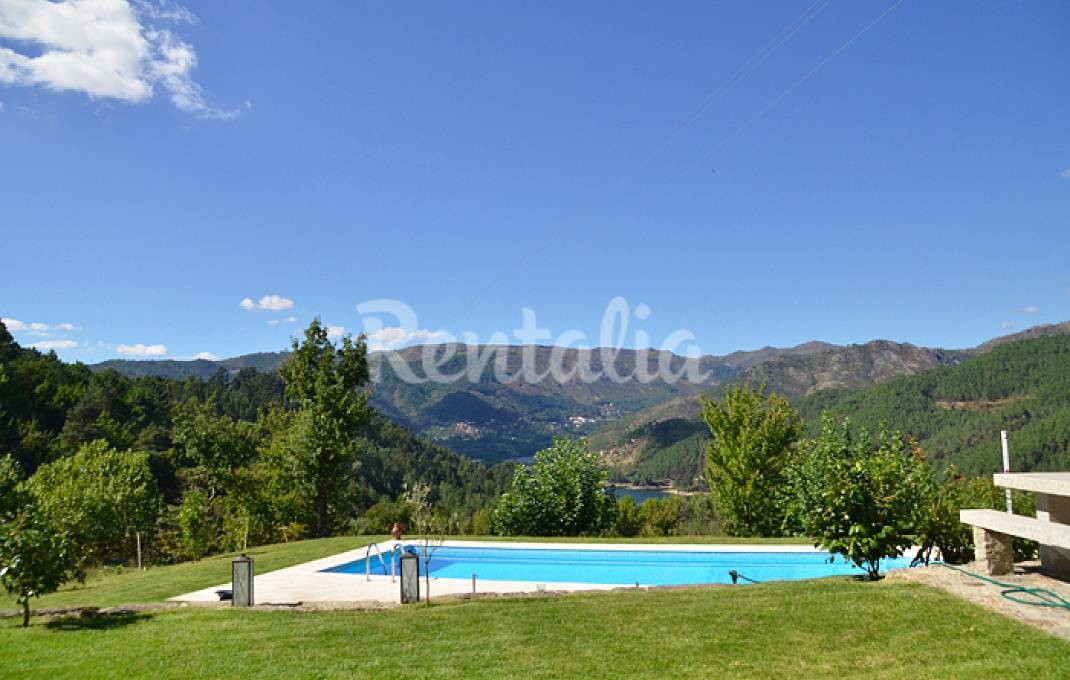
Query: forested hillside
957	411
49	409
665	441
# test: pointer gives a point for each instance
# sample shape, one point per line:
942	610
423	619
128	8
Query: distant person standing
395	531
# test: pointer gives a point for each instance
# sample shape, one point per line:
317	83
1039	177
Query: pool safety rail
394	554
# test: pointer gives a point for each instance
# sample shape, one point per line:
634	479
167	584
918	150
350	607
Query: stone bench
993	531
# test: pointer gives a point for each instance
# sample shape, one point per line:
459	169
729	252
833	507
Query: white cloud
207	356
141	350
37	328
1004	324
276	322
55	344
271	303
109	49
1065	174
391	337
334	332
1030	309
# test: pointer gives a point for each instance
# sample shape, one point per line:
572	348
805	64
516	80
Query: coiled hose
1038	597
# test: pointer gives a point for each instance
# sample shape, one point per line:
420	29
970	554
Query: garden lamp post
410	577
241	572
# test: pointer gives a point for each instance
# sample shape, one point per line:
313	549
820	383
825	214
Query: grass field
827	628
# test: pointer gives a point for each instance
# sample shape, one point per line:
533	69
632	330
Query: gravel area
1053	620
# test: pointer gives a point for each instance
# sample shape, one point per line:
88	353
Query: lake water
640	495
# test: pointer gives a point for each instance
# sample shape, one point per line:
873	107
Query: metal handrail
368	562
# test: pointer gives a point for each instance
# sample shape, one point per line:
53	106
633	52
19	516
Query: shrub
563	494
856	497
36	558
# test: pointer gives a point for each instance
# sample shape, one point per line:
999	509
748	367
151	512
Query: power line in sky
748	67
806	77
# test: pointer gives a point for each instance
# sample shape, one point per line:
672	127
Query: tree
752	436
323	383
197	527
218	446
99	496
563	494
35	558
10	476
858	498
428	528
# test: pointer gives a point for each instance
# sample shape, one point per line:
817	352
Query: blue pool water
623	567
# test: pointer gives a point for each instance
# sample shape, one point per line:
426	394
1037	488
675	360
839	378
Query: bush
197	525
939	530
99	496
380	518
858	498
563	494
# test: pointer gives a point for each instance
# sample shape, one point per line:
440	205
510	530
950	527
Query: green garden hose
1038	597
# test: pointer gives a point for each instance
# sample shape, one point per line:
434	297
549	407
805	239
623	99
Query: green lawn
826	628
106	588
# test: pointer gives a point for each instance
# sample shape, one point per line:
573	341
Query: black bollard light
410	577
241	581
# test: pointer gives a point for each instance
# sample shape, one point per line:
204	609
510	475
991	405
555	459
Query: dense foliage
322	436
563	494
857	497
220	453
752	435
102	498
956	412
35	558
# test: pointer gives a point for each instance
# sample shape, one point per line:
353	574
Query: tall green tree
323	383
563	494
752	437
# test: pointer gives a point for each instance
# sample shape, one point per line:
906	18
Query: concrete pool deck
308	583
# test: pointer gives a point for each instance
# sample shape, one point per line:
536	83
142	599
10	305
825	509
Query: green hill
956	408
958	411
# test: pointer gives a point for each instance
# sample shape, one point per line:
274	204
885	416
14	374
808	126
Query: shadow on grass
97	621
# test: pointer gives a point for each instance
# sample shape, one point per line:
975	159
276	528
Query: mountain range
481	416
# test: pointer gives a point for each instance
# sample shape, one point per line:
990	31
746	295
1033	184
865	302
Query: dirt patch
979	405
1053	620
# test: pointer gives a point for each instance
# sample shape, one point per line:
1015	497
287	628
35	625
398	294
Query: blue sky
753	173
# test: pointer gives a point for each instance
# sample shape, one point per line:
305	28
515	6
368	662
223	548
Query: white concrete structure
993	529
308	583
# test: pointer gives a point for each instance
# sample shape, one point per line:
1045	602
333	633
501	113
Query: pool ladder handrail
379	553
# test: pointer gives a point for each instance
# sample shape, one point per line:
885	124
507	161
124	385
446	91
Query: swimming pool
651	567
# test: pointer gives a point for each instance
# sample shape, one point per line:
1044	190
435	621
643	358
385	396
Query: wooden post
139	550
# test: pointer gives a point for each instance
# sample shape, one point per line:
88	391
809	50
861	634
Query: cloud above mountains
106	49
142	350
269	303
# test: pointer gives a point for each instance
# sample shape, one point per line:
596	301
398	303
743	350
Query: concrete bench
993	531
